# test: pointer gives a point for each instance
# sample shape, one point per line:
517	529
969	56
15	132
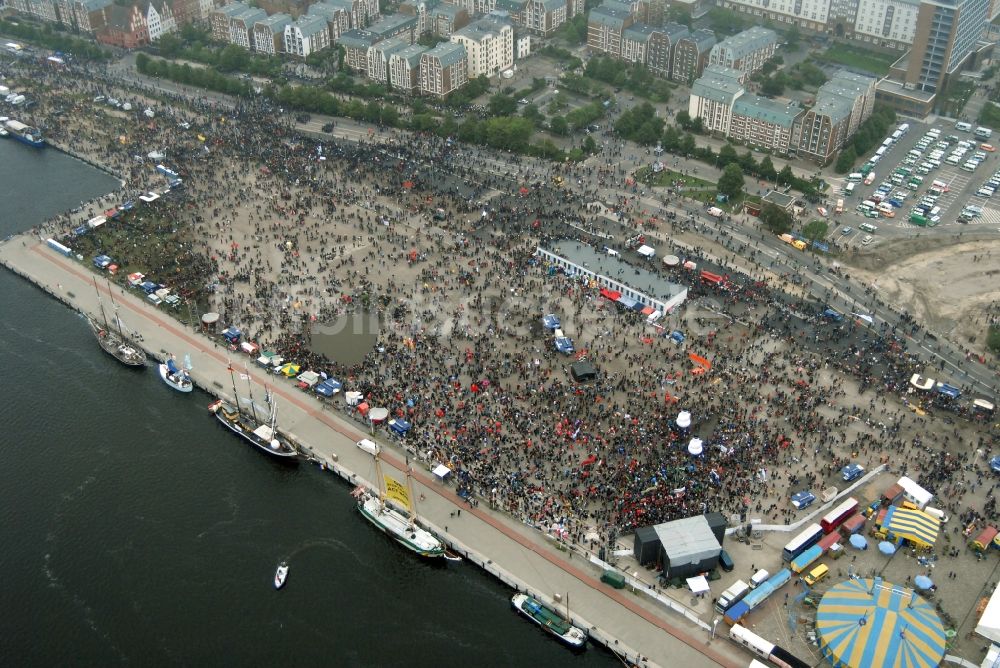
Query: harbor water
136	530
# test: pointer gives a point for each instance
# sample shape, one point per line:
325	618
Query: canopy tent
914	526
583	371
442	472
209	318
695	447
563	344
858	541
887	548
627	302
646	251
869	622
684	419
671	260
353	398
989	621
232	333
923	582
328	387
378	414
550	321
399	426
698	584
613	295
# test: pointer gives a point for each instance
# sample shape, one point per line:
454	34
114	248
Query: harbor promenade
630	623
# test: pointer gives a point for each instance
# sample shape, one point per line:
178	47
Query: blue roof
564	344
550	321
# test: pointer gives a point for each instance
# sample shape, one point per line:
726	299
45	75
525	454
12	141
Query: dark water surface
135	530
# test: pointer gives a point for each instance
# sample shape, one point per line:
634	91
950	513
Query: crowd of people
278	232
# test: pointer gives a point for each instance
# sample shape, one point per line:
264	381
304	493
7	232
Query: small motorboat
281	575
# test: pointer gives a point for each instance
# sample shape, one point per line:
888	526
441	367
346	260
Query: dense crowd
276	232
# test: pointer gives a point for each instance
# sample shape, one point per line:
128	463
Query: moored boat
175	377
400	526
549	620
25	133
114	343
261	433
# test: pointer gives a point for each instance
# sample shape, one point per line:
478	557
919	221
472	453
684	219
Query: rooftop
609	16
688	540
717	86
637	278
769	111
448	53
392	23
411	54
638	32
485	28
310	24
748	41
357	39
276	22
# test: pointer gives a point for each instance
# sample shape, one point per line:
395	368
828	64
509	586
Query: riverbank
520	557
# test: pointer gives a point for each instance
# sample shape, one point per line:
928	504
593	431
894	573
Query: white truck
715	212
731	596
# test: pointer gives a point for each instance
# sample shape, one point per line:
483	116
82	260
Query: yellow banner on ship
397	492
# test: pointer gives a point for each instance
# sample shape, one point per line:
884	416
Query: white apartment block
159	24
489	46
888	23
810	14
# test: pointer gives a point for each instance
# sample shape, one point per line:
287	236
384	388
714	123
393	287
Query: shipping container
853	525
804	560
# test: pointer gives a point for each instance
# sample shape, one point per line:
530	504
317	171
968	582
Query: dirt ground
947	283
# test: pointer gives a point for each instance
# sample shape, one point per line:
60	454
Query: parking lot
910	187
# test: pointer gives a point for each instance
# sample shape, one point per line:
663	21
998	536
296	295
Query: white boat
549	620
281	575
175	377
399	525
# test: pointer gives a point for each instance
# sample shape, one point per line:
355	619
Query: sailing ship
550	621
114	343
401	527
175	377
262	434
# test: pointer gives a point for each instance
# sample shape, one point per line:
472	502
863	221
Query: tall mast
115	306
409	488
236	395
378	477
253	408
101	304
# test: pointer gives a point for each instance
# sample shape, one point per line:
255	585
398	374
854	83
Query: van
732	596
964	127
855	177
936	512
868	227
953	159
726	562
849	190
940	185
867	240
816	574
759	578
983	133
935	211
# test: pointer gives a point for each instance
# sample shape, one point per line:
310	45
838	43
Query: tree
502	105
846	159
532	113
792	37
727	155
775	218
589	145
815	230
559	126
731	182
785	176
766	169
687	146
772	86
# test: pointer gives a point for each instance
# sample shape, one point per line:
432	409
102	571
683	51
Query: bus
806	559
809	537
855	177
838	514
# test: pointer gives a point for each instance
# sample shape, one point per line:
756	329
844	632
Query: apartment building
269	34
842	104
605	26
443	69
446	19
421	10
691	56
889	24
125	28
662	45
394	25
489	46
307	35
544	17
808	14
713	96
404	68
159	19
356	44
379	54
635	43
763	123
746	51
338	17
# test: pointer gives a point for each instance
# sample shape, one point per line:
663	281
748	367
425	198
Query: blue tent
149	287
328	387
551	321
232	334
564	345
399	426
949	390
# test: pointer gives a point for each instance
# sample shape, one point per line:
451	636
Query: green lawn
862	59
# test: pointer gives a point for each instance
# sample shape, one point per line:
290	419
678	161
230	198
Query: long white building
489	46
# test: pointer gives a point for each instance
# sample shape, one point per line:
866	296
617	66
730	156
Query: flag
244	376
395	491
187	362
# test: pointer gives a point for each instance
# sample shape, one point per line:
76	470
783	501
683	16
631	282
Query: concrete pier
636	626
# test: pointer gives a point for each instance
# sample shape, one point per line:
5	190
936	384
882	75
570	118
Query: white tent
695	447
698	584
684	419
989	623
646	251
442	472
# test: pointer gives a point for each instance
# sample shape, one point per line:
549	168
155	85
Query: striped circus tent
914	526
862	623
